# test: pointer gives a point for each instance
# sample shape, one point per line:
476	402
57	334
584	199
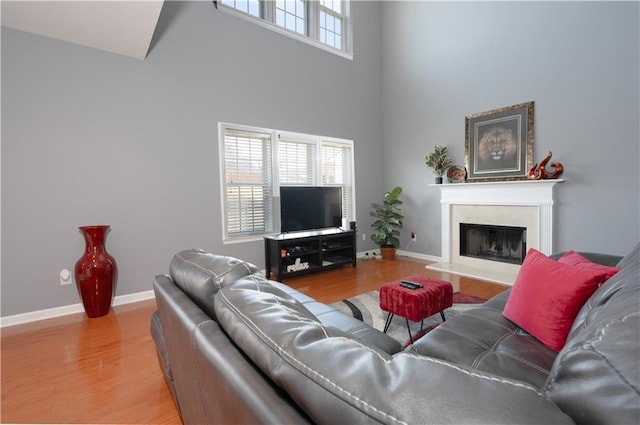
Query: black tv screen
310	207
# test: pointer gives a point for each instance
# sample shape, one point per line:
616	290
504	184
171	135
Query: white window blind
336	170
248	183
296	162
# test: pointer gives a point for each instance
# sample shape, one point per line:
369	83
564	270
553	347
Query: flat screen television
310	208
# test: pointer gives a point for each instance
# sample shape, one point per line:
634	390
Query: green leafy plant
388	219
439	160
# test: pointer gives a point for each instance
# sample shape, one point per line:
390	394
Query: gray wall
93	137
90	137
578	61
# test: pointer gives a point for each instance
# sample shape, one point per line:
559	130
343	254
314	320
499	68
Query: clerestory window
325	23
255	162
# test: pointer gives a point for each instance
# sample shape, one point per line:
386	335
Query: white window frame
332	13
349	210
222	129
267	20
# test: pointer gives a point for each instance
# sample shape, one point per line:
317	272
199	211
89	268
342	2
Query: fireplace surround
524	204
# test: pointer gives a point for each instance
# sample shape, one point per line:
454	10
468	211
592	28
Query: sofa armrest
335	378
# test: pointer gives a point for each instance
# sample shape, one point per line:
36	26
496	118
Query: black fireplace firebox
495	243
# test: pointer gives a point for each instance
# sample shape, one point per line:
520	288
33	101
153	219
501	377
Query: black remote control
409	285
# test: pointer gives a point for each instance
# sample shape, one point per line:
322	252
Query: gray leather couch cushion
331	317
201	274
483	339
214	381
596	376
362	384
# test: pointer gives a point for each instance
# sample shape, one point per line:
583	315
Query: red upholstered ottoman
415	304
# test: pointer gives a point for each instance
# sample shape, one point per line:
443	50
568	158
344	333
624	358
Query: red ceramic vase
96	272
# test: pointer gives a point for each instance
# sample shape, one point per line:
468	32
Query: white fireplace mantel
538	194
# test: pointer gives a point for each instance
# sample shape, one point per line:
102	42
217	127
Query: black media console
297	253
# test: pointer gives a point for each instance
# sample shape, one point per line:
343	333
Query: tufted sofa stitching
604	330
293	360
296	313
591	342
474	374
590	308
216	277
496	344
494	322
299	363
467	337
520	359
256	281
507	330
496	349
320	325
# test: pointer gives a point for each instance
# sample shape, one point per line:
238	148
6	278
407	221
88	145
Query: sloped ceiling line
122	27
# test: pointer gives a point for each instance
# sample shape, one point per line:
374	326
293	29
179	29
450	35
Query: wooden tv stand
297	253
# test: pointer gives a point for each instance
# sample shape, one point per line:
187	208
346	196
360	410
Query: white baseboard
50	313
418	255
375	254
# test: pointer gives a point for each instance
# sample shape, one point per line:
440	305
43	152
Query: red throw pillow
547	296
574	259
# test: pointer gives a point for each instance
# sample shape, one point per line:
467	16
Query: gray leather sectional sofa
235	347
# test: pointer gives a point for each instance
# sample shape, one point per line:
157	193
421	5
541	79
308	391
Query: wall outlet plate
66	278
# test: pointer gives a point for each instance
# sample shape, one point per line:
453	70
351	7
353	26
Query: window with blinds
253	156
336	161
248	183
296	162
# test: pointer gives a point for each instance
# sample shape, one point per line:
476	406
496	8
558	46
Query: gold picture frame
499	143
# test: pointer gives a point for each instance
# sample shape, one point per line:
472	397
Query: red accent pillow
547	296
574	259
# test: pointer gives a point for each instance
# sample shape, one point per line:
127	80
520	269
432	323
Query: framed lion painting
499	143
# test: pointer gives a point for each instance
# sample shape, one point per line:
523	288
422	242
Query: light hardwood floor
104	370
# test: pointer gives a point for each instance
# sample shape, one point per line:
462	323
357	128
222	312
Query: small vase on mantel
96	272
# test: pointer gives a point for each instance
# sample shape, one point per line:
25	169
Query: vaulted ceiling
123	27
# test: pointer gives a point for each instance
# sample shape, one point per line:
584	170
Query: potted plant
388	222
439	160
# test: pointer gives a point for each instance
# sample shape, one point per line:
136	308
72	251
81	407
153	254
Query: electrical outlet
414	237
65	277
364	236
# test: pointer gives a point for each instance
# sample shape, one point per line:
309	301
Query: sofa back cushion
596	376
201	274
